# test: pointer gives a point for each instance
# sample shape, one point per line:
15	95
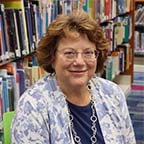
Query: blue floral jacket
41	116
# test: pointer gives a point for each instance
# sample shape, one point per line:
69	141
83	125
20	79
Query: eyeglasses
88	54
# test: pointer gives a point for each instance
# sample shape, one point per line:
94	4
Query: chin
79	83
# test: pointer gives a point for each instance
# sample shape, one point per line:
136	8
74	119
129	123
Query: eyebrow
76	49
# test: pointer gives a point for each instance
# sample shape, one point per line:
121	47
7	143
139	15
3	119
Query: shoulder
39	94
104	84
108	89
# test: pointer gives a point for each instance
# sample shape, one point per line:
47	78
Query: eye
69	54
89	53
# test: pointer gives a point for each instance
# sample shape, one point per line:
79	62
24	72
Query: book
108	64
5	40
12	31
20	27
127	29
11	91
11	70
35	74
75	5
115	63
29	26
97	11
107	9
126	58
119	33
91	8
86	6
67	8
4	88
28	77
122	59
37	17
102	10
17	90
21	73
121	8
114	8
18	4
1	102
1	44
33	22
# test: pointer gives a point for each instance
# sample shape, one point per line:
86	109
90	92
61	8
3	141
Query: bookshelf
139	28
30	19
139	0
119	28
22	23
116	19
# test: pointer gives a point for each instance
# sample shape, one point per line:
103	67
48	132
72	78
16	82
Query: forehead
81	42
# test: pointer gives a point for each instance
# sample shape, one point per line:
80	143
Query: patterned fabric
42	115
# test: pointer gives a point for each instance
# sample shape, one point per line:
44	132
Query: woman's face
74	69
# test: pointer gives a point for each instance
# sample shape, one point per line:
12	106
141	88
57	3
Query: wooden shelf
139	0
124	82
6	62
126	89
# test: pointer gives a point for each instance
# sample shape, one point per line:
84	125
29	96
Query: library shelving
30	18
22	23
139	28
119	28
116	17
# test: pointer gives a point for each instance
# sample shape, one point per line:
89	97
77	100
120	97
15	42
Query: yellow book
92	8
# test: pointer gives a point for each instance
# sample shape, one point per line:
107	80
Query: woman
71	104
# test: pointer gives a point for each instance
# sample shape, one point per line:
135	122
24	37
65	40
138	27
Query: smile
78	71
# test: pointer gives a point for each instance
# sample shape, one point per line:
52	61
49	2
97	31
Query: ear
53	63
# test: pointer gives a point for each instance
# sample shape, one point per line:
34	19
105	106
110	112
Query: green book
7	118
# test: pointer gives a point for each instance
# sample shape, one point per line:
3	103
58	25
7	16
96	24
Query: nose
79	60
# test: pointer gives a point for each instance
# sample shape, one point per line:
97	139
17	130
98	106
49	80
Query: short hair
72	25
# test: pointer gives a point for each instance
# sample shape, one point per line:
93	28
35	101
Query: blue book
29	28
4	83
21	73
86	6
4	32
120	6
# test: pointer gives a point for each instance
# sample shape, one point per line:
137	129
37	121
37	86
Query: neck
80	97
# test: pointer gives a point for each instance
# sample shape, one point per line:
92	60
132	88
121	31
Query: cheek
93	65
60	64
92	69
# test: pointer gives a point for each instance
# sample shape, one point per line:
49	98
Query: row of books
118	31
139	15
118	62
139	43
22	24
108	9
15	78
139	30
100	10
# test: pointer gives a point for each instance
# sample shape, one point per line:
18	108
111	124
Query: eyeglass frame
74	55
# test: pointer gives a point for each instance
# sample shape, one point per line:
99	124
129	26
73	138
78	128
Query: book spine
4	33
